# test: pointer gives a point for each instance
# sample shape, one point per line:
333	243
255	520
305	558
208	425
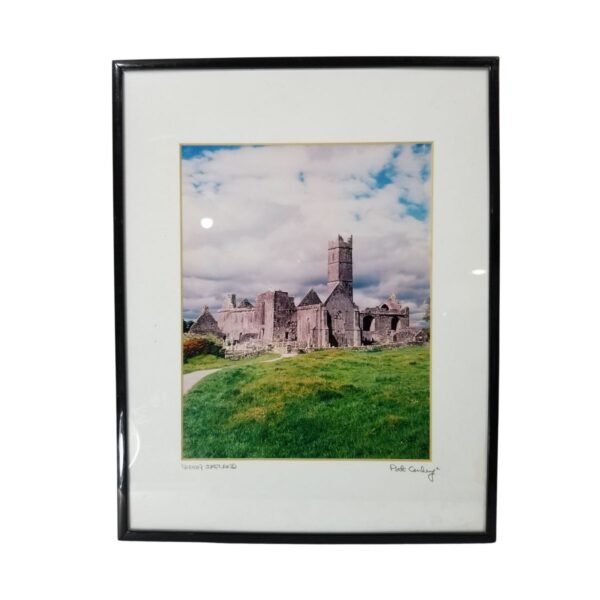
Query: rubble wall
235	322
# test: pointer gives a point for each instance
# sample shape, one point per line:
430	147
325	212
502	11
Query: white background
58	451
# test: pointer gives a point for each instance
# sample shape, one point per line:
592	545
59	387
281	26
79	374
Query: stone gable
310	299
206	324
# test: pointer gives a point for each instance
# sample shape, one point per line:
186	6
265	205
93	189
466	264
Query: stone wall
312	331
380	324
342	319
272	319
284	317
411	336
276	316
235	322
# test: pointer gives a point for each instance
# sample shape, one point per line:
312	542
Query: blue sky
189	152
275	207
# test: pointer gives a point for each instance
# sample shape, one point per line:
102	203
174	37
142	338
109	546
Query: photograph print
306	301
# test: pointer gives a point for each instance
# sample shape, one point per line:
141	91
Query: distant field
210	361
327	404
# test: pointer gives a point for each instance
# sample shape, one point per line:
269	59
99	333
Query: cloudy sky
273	209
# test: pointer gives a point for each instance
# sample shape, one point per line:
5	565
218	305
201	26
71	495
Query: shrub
194	345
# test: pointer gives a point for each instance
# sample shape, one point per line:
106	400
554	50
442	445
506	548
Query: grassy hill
327	404
210	361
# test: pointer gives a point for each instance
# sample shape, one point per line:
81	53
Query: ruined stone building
275	319
206	324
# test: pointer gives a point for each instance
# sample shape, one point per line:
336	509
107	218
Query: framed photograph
307	299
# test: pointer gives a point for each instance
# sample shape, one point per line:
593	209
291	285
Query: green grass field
327	404
210	361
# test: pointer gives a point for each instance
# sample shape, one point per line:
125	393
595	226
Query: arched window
368	323
332	339
394	324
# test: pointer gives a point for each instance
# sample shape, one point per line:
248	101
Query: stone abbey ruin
274	321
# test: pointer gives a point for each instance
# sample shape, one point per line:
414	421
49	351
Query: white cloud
275	207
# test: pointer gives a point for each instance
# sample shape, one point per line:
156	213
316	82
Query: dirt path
191	379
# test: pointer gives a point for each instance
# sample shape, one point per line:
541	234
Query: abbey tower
339	265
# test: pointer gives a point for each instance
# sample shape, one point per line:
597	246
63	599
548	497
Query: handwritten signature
429	472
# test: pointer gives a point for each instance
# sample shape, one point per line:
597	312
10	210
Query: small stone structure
381	323
275	321
206	324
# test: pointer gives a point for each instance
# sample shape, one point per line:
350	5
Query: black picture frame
119	67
